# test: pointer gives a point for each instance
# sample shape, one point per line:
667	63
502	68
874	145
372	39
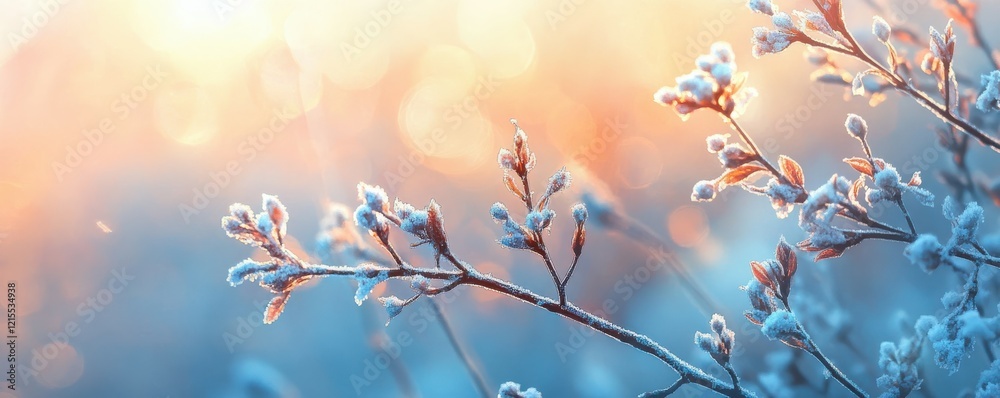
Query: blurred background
129	127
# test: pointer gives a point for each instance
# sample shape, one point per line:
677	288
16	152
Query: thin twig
477	376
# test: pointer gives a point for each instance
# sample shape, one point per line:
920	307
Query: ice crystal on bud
367	276
393	306
264	224
558	182
248	270
373	196
819	210
889	187
713	84
965	226
926	252
716	142
539	220
783	196
499	212
782	325
579	213
704	191
942	45
506	159
275	211
733	155
989	99
762	6
856	126
881	29
719	345
766	41
368	219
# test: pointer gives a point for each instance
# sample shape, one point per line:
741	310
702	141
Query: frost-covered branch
284	272
827	22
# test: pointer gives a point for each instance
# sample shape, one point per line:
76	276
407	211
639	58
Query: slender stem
569	274
732	375
542	251
834	371
753	146
666	391
479	380
560	288
947	87
909	221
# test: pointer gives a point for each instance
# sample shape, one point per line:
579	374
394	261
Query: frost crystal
393	306
499	212
373	196
926	251
782	325
989	100
368	276
539	220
